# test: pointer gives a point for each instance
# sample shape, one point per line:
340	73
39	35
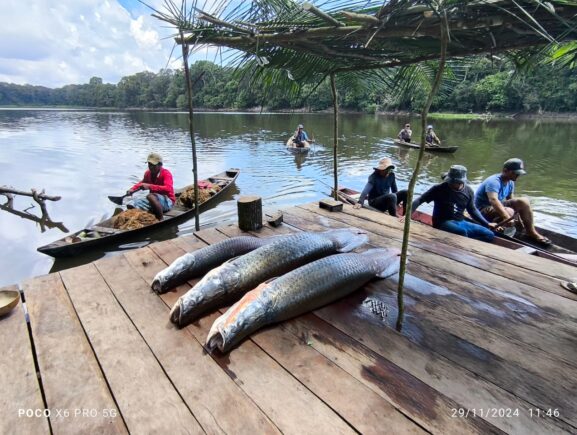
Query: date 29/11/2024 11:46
503	412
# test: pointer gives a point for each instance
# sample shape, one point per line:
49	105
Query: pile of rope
133	219
205	191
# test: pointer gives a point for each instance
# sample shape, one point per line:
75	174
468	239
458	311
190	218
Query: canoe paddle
118	199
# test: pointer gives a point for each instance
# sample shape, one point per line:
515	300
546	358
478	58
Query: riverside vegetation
486	85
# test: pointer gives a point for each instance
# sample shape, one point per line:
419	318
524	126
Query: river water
83	156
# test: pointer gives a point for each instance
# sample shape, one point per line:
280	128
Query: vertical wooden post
413	181
336	136
249	213
191	128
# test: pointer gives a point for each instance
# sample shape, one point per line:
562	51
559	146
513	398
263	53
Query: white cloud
70	41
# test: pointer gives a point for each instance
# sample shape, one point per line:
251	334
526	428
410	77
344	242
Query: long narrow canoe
562	250
432	149
292	147
103	233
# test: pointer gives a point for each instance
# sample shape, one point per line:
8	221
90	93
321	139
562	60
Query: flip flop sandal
571	286
543	241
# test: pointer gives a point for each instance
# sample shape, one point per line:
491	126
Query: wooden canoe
291	146
433	149
563	252
103	233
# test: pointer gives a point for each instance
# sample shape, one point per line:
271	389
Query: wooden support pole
249	213
363	18
336	136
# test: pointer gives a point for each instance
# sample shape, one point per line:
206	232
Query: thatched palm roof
348	36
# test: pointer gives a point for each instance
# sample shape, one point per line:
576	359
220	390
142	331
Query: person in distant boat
451	198
494	198
381	189
158	181
300	136
406	133
431	138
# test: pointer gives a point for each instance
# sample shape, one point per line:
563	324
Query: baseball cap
154	158
515	165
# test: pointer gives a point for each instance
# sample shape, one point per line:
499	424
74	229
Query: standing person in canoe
381	189
431	139
158	181
406	133
300	137
494	198
451	198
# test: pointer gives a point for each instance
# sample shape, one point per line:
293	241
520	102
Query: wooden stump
249	213
276	219
331	205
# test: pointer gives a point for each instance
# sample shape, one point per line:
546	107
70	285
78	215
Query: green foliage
482	85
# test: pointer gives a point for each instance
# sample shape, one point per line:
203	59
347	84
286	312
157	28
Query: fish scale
302	290
227	283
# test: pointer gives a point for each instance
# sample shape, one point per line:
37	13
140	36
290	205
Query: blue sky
54	43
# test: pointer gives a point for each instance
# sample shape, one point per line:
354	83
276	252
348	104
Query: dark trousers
389	201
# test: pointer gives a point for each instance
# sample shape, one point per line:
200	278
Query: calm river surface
84	156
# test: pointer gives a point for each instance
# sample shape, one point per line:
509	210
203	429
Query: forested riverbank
485	86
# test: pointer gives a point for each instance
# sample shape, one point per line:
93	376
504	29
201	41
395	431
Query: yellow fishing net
133	219
186	198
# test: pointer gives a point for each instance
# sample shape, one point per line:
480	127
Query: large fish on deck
197	263
302	290
229	282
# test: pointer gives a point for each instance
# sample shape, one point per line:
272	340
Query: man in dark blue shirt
381	188
451	198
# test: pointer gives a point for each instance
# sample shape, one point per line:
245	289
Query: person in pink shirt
158	181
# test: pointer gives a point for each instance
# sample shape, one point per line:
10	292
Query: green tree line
483	87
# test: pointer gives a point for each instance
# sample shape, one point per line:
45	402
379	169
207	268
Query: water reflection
87	155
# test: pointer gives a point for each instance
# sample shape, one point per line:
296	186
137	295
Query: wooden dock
489	346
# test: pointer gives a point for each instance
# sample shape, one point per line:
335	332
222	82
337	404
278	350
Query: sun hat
429	127
457	174
154	158
384	163
301	126
515	165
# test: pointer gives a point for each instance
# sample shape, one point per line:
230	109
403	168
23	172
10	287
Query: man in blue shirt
381	189
300	136
494	198
451	198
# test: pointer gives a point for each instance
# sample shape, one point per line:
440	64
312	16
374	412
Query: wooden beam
363	18
309	7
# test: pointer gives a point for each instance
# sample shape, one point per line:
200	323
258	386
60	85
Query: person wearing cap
300	136
494	198
431	138
406	133
158	181
381	189
451	198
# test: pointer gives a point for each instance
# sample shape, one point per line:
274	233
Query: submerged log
249	213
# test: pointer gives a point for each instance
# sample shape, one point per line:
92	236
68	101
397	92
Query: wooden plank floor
488	333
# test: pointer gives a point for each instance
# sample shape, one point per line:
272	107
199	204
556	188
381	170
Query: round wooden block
249	213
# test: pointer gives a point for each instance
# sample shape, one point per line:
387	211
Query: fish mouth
157	286
175	313
215	341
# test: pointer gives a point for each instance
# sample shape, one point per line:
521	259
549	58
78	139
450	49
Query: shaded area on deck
488	331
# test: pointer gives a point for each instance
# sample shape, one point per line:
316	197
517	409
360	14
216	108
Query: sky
55	43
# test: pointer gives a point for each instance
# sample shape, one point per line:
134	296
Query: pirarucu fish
197	263
229	282
302	290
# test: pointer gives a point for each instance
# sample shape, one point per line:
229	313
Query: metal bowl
8	300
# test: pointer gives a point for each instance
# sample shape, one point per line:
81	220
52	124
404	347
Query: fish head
386	261
347	239
178	266
213	286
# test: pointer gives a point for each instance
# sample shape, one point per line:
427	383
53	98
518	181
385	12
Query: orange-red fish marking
247	299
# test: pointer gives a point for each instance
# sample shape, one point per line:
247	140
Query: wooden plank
71	377
509	256
20	390
411	396
289	404
437	340
558	309
145	397
184	360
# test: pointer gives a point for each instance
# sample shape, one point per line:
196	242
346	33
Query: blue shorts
144	204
